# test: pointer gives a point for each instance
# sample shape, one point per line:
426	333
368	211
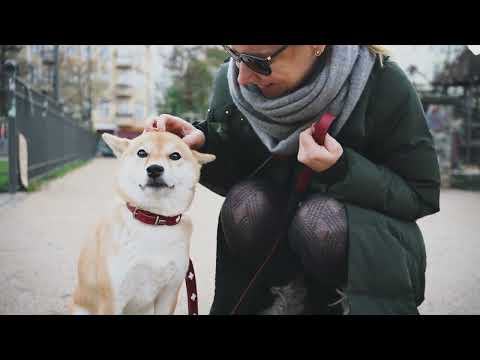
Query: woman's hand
192	136
318	157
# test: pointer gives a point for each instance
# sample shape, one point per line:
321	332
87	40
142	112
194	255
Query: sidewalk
42	233
452	241
7	199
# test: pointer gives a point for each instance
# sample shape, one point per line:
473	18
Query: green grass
3	175
36	184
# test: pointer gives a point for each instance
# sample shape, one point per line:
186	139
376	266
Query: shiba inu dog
139	255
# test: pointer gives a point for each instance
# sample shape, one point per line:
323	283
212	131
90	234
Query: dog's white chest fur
150	262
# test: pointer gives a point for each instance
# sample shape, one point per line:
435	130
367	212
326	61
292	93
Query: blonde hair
378	50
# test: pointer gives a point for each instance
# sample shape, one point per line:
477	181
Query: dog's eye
142	153
175	156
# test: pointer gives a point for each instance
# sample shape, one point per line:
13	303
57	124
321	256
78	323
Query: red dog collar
153	219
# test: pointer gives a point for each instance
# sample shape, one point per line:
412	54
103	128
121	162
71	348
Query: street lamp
9	53
89	82
50	58
8	56
56	73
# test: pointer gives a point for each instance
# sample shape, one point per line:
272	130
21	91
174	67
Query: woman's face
289	67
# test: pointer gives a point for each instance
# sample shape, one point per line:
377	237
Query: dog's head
158	171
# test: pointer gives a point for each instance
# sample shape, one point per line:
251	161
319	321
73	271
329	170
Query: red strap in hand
320	129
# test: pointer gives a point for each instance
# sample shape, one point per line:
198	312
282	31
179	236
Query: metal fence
53	138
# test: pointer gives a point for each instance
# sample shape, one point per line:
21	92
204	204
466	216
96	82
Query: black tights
252	218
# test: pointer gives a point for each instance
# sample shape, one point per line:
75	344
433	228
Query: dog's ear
118	145
203	158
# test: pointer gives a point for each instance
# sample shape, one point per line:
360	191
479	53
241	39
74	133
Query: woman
352	245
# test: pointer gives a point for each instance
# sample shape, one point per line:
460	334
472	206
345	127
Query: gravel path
41	235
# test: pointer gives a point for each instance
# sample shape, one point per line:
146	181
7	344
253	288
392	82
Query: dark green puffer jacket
389	179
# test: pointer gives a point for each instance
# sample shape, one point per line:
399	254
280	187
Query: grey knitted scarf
335	88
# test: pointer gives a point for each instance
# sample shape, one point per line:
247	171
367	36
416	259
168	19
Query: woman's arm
401	178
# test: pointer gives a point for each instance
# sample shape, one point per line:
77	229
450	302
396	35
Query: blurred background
56	173
97	88
115	87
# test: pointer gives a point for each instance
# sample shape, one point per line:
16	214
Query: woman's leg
251	219
251	215
318	235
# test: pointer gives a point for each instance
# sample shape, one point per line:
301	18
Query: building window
123	108
83	52
36	49
104	109
104	54
139	111
124	51
104	75
125	78
70	50
139	80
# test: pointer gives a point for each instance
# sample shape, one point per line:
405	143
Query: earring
318	53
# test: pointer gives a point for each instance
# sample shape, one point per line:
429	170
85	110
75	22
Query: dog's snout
155	171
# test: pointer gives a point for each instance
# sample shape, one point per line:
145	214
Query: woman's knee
250	214
318	234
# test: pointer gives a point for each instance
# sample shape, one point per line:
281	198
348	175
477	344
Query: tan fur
123	252
94	291
174	303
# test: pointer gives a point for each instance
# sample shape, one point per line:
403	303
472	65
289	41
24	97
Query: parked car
103	149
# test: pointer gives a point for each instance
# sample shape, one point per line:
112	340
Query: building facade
130	96
113	85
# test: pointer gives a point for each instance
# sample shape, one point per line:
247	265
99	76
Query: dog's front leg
166	301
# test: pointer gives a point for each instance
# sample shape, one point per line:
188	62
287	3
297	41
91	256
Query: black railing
52	137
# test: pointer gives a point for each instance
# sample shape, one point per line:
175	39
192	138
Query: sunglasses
256	63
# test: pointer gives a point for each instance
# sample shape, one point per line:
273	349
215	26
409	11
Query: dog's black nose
155	171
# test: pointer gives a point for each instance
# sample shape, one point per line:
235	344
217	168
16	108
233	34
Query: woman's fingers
154	123
318	157
193	137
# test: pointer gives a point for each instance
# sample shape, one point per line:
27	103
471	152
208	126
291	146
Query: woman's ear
118	145
203	158
318	49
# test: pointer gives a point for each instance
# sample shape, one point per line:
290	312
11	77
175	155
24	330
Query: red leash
320	129
192	295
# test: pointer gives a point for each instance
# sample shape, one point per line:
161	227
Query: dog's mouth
156	184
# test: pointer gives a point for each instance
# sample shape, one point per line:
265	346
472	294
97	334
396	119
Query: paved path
452	239
41	235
